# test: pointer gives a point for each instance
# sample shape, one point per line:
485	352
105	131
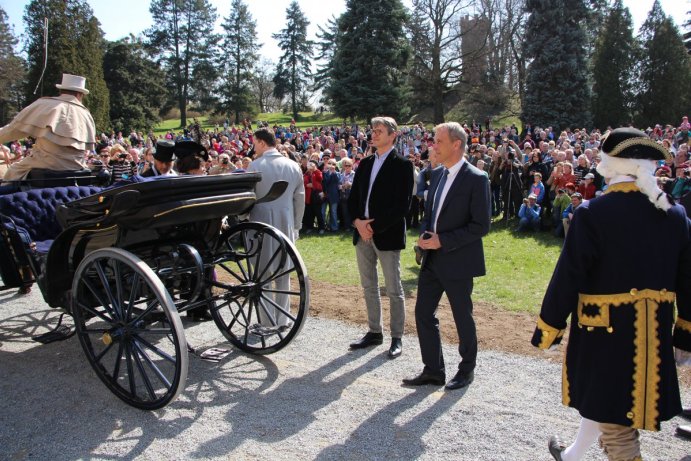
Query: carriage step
60	333
265	332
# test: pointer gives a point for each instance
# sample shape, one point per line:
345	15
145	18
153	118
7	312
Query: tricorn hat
164	150
73	83
187	148
634	144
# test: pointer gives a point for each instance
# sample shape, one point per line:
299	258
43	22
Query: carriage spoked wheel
129	328
261	295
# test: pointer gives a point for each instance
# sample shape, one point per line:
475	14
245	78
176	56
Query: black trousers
431	284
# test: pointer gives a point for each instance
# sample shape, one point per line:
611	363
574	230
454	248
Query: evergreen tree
294	74
75	46
419	71
665	71
613	70
135	84
369	60
326	46
12	75
557	92
241	53
182	38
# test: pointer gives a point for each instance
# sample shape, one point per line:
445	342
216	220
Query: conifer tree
75	46
557	92
664	89
182	38
613	70
12	75
241	50
294	74
136	86
371	54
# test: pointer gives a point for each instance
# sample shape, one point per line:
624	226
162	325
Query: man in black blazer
379	201
457	216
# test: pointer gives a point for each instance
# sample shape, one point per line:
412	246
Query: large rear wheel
261	295
129	328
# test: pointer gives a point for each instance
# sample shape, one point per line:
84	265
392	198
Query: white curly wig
641	169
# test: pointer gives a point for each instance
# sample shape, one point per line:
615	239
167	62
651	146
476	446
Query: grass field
518	266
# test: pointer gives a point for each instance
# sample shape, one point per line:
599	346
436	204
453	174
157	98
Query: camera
224	161
510	155
687	172
122	156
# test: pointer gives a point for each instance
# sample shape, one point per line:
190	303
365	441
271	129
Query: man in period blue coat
619	290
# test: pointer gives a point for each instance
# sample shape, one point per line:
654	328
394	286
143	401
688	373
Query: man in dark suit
379	201
457	216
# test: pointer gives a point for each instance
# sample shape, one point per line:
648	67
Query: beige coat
63	129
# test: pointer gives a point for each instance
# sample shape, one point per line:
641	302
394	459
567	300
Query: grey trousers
367	255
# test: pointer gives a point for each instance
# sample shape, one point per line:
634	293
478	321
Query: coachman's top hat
164	150
73	83
634	144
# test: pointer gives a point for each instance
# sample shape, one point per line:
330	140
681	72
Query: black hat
187	148
101	146
633	143
164	150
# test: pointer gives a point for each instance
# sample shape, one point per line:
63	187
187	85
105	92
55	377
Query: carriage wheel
129	329
261	297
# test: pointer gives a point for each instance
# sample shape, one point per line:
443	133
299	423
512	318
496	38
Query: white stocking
587	435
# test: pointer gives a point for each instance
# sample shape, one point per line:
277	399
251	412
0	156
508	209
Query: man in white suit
284	213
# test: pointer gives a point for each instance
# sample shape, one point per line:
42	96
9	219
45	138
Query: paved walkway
315	400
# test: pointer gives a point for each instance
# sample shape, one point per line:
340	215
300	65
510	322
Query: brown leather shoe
556	447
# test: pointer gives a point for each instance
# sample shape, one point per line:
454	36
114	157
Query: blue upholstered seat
34	211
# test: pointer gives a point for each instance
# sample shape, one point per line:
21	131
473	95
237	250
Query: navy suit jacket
463	220
389	201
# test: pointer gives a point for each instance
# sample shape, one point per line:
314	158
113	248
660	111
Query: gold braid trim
683	324
628	186
565	396
653	369
646	375
619	148
631	297
549	334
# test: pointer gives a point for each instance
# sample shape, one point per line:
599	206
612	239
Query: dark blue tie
437	195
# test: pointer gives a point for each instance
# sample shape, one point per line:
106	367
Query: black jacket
389	202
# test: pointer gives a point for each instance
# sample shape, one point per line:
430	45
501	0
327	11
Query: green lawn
518	266
306	120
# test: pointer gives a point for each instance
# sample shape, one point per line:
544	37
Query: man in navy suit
457	216
379	202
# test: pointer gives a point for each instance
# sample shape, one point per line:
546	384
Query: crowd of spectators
537	175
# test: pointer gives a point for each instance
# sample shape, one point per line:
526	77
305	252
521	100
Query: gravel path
315	400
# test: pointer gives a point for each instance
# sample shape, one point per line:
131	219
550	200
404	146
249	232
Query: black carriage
125	263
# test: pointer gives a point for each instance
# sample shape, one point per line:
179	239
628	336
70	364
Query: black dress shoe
684	431
462	379
370	339
396	348
425	378
556	447
686	412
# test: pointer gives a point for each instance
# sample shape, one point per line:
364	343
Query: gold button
629	415
663	291
590	328
610	330
580	325
633	292
100	199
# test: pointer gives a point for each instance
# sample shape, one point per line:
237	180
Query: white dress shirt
379	160
453	172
